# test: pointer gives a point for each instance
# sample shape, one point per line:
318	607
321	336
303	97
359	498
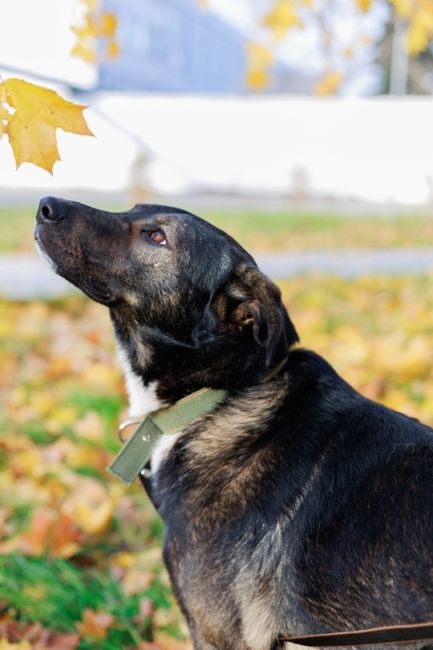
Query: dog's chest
222	591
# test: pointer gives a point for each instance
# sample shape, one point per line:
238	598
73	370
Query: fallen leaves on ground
79	553
80	559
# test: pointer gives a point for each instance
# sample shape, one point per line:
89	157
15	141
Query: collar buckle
125	425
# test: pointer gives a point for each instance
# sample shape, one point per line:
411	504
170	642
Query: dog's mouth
71	263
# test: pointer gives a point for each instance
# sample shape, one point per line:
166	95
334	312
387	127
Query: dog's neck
159	372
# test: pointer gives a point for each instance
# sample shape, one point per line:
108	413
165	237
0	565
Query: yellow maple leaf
38	113
4	115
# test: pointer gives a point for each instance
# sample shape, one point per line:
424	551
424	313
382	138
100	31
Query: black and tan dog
296	505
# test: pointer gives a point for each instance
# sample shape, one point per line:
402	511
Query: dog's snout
51	209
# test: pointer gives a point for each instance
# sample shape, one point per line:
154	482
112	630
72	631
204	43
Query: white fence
378	150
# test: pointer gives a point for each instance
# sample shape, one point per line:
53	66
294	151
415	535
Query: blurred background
303	128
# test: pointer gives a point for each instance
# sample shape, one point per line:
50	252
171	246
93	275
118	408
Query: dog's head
170	279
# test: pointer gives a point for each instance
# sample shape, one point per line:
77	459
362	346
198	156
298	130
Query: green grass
271	231
268	231
55	593
16	229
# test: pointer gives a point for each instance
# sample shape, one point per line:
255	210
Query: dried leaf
95	624
51	533
4	114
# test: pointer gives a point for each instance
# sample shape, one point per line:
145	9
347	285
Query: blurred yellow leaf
87	29
89	505
257	78
107	24
101	375
259	60
59	366
43	402
417	39
96	25
258	55
113	49
403	8
364	5
329	83
84	52
38	113
281	18
418	15
420	31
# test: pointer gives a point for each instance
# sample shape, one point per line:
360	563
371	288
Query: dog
294	506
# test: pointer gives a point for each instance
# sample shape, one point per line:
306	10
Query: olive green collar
137	450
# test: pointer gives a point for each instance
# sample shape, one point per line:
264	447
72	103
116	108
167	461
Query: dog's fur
297	505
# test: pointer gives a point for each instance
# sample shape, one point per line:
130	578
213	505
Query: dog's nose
51	209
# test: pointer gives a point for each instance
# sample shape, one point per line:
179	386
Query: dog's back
308	506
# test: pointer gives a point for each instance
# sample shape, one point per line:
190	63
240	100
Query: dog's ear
259	307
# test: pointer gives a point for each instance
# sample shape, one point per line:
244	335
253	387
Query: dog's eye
157	237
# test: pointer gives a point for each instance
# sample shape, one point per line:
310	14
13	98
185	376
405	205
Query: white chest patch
162	449
143	400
